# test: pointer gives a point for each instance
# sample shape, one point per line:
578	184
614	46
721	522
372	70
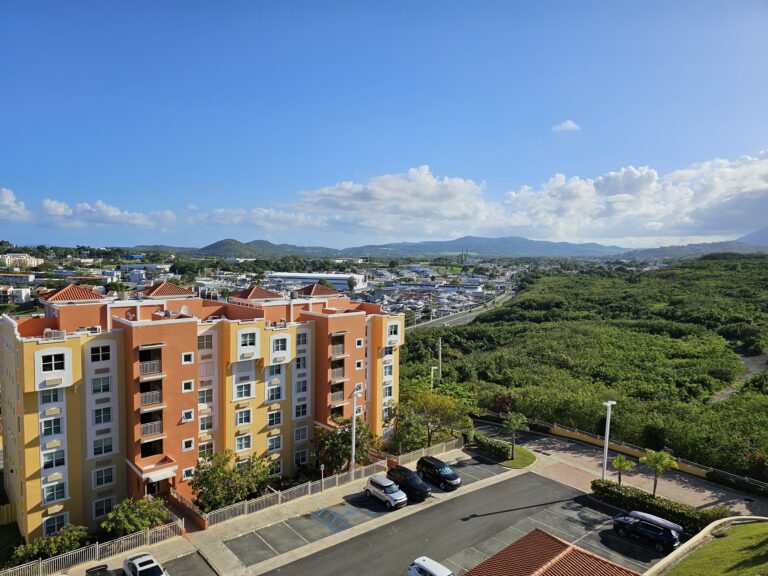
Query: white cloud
11	209
566	126
55	208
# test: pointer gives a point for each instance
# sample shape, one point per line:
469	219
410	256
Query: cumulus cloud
566	126
11	209
55	208
100	214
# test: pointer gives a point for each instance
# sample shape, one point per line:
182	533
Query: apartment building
21	260
105	398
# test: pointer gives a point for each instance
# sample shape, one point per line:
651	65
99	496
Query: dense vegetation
660	342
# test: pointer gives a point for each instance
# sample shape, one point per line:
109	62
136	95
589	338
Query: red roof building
317	290
166	290
71	293
256	292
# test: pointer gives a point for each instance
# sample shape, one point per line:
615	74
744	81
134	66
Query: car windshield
151	571
446	470
391	489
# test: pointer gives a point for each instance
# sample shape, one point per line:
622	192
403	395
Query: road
462	317
439	531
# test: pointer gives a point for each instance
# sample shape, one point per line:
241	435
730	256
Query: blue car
662	534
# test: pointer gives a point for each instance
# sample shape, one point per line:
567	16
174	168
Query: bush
131	516
468	435
496	449
630	498
70	537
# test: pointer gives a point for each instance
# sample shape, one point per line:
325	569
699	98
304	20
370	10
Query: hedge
497	449
692	519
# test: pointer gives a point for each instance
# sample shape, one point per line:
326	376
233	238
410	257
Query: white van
425	566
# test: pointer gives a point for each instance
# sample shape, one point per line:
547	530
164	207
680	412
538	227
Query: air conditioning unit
94	329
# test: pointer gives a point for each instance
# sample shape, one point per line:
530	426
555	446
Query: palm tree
512	423
622	464
659	462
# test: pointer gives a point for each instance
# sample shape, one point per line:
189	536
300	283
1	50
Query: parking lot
254	547
190	565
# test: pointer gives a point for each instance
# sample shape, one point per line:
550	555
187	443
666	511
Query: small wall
7	514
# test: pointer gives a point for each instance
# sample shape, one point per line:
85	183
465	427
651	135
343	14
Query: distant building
338	281
148	266
16	278
11	295
23	260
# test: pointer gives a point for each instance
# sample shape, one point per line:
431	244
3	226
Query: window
53	459
53	362
276	467
187	473
53	492
49	396
243	443
102	415
359	387
188	358
274	418
358	410
187	415
300	458
301	339
205	396
102	446
103	476
53	524
51	427
274	393
301	410
188	386
301	386
99	353
205	450
242	417
385	413
359	343
206	422
301	363
274	443
388	351
248	339
243	390
274	370
388	370
393	330
187	444
300	434
205	342
103	507
358	364
280	345
387	391
100	385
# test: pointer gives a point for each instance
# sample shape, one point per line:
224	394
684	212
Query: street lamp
608	404
432	377
355	396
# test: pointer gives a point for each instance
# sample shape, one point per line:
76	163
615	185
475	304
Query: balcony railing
153	397
337	396
151	367
152	428
337	372
337	349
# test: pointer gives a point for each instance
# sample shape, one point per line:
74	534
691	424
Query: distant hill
693	250
757	238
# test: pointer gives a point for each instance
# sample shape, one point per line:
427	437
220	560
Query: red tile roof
165	289
256	292
541	554
71	293
317	290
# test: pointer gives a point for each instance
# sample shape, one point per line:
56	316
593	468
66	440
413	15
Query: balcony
337	373
149	398
337	396
337	349
152	428
150	367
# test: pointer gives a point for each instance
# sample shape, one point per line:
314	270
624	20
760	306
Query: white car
425	566
143	565
387	491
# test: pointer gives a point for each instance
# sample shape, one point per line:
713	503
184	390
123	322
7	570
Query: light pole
432	377
355	396
608	404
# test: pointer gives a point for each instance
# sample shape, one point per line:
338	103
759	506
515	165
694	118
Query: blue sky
345	123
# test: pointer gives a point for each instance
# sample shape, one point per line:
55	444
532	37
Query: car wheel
442	485
368	493
388	504
621	531
659	547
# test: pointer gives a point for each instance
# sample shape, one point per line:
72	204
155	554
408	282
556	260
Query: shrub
131	516
468	435
70	537
630	498
496	449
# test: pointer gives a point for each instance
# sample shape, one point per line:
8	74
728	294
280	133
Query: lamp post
355	396
432	377
608	404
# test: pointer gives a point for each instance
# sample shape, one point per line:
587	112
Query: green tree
622	464
351	282
659	462
219	481
70	537
335	446
131	516
408	431
325	283
438	412
513	422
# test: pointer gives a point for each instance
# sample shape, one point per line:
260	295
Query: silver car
143	565
387	491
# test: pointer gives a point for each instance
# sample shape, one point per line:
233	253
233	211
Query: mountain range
509	246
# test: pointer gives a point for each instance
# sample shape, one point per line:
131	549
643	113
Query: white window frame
55	485
299	389
279	414
300	434
301	363
297	456
184	358
187	474
95	480
384	394
100	353
242	386
250	336
205	444
206	392
268	388
305	406
187	444
279	345
390	369
358	410
359	343
206	339
187	415
301	339
241	440
278	465
46	521
247	422
101	412
185	389
103	440
53	362
100	380
274	370
205	418
46	420
358	364
58	392
271	439
95	502
53	454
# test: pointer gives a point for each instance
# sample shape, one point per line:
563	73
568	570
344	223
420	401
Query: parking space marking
577	520
267	543
294	531
552	527
600	552
457	564
594	530
470	475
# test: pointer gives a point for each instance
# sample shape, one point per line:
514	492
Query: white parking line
470	475
267	543
460	567
294	531
601	552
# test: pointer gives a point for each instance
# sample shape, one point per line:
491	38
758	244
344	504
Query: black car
662	534
410	483
438	472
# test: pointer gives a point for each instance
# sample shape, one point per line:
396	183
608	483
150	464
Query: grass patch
740	551
523	459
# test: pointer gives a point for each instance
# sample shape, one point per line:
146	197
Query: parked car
425	566
410	483
438	472
662	534
143	565
386	491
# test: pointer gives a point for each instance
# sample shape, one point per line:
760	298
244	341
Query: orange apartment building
105	398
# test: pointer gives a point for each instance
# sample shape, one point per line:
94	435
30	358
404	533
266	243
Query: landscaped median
505	453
